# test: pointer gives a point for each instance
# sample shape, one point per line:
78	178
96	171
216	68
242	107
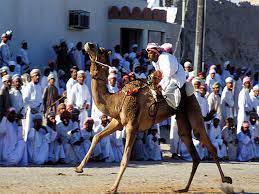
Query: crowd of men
48	115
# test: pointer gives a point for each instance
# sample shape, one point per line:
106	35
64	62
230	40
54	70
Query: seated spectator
87	136
153	151
245	143
14	148
56	150
107	152
138	151
38	142
229	135
117	145
254	127
64	129
216	138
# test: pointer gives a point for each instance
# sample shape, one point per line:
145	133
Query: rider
171	74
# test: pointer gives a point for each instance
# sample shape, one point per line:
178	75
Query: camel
133	113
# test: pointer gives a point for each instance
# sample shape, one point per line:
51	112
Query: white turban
167	47
256	87
111	76
51	76
81	72
229	79
6	78
212	71
16	76
34	71
187	64
3	35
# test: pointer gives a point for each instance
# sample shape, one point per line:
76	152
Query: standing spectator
32	97
117	53
52	68
5	100
226	71
112	83
16	97
72	80
79	57
188	69
214	100
80	97
227	99
38	142
254	95
133	53
50	96
245	105
229	135
245	143
44	78
138	150
5	54
211	80
24	53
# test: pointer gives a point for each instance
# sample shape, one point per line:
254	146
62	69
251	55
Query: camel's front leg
130	138
113	126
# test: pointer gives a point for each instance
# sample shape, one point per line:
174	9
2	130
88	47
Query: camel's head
99	54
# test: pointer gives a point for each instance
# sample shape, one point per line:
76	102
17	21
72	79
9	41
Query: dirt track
144	177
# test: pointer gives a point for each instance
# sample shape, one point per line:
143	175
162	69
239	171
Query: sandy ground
140	177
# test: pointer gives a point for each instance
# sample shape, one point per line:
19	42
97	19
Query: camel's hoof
79	170
227	179
182	190
112	191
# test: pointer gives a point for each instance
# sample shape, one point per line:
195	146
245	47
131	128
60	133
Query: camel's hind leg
184	130
130	138
113	126
197	124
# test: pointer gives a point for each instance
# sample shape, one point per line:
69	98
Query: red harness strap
132	92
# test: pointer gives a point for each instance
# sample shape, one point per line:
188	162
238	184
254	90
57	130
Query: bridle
97	62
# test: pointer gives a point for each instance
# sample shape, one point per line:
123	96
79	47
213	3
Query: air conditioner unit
79	19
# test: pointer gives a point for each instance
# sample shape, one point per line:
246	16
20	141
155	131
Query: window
79	19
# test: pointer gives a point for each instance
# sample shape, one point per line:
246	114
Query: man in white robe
245	105
216	138
80	97
79	57
211	80
56	150
72	81
87	134
64	129
5	54
171	73
226	71
112	83
214	101
14	147
152	148
245	143
38	142
227	99
229	135
17	97
24	52
32	97
174	138
254	95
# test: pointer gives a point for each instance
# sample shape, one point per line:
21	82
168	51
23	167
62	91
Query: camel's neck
104	100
